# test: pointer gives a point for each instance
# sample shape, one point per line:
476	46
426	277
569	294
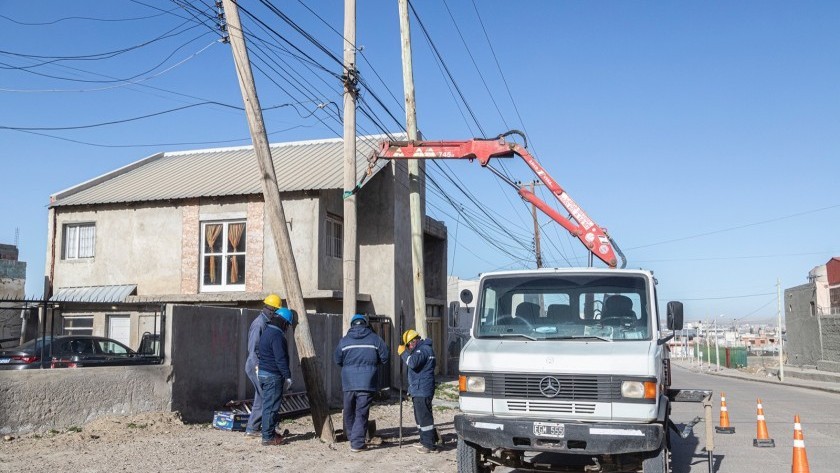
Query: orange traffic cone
762	437
724	427
800	459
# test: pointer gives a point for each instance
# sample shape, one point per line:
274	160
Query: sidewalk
794	376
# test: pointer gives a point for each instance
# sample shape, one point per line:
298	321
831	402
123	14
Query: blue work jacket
273	352
421	369
359	354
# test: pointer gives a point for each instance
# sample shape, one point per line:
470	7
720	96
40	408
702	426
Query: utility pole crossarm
595	238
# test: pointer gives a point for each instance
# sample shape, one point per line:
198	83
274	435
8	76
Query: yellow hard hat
273	300
409	335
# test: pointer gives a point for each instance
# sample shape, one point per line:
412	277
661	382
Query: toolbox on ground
227	420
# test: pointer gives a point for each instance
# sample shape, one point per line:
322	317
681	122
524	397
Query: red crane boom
595	238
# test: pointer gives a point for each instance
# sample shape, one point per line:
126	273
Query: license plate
5	360
549	429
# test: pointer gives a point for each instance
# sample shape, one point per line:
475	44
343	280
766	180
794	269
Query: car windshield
565	307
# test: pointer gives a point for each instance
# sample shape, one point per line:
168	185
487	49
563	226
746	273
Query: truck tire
658	463
469	458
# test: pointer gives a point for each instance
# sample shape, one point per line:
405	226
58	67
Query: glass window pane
212	270
213	238
236	238
71	242
87	241
236	271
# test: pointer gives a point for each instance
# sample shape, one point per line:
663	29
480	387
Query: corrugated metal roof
105	294
304	165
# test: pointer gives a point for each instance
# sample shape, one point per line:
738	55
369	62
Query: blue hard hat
284	314
359	319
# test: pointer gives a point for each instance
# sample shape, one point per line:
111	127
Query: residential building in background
812	319
12	282
190	228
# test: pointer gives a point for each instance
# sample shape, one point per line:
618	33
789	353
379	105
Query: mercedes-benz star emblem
550	386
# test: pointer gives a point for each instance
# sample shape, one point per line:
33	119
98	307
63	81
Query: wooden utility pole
415	204
536	230
350	288
277	221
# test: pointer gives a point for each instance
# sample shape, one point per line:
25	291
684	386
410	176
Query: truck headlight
638	389
471	384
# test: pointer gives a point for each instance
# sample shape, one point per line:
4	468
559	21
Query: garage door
119	328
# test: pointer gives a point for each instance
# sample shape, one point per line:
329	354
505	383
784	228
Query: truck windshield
565	307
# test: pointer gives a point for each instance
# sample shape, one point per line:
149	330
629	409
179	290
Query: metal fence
730	357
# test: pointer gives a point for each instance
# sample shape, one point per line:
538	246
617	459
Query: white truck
565	361
571	362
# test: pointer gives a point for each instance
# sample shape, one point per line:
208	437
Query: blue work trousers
257	408
356	413
425	421
272	390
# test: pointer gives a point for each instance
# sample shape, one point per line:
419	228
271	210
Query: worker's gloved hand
257	369
287	384
400	349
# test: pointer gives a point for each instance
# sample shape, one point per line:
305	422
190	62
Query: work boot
253	435
276	440
424	449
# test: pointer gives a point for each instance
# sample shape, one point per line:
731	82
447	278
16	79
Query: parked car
71	351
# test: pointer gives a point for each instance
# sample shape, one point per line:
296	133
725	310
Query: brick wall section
254	246
190	247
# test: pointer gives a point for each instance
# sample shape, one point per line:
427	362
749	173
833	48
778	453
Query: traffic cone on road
762	437
724	427
800	459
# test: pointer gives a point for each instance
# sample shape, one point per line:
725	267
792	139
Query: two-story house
189	227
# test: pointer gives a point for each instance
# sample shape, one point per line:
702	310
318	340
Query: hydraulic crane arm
584	228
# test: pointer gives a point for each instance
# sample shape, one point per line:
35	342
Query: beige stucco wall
301	211
129	249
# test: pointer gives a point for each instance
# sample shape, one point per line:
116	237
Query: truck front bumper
577	438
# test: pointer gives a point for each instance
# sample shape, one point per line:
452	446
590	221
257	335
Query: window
335	237
223	256
78	325
112	348
79	241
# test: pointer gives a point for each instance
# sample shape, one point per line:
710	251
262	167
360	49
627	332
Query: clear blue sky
704	136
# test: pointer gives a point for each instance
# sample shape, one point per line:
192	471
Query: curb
834	390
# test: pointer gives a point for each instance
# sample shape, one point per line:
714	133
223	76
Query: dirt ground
160	442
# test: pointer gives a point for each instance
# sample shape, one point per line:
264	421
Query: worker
270	304
274	373
419	357
359	354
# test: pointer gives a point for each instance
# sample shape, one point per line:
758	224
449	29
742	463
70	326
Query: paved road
818	411
735	453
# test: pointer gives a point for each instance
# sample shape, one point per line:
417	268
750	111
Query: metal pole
414	181
322	422
779	317
350	287
717	346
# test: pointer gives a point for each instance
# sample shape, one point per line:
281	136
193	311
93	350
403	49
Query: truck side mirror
466	296
675	315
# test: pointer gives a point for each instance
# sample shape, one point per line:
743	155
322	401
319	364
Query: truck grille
553	407
594	388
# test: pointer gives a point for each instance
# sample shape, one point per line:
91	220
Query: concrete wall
129	248
39	400
301	210
830	325
803	329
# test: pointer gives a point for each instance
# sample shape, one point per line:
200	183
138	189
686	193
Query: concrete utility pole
350	288
415	203
277	220
779	317
536	230
717	346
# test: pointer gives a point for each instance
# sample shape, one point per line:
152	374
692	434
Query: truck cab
565	361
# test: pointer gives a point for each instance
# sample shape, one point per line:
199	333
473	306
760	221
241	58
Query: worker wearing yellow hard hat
270	304
419	356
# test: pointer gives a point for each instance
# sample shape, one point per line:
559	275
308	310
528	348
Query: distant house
12	280
189	227
812	318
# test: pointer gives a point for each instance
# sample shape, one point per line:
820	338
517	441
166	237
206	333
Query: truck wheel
469	458
658	463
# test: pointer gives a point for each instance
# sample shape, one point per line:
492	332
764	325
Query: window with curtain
79	241
223	256
335	237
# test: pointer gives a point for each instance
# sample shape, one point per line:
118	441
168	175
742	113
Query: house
812	319
12	280
189	227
